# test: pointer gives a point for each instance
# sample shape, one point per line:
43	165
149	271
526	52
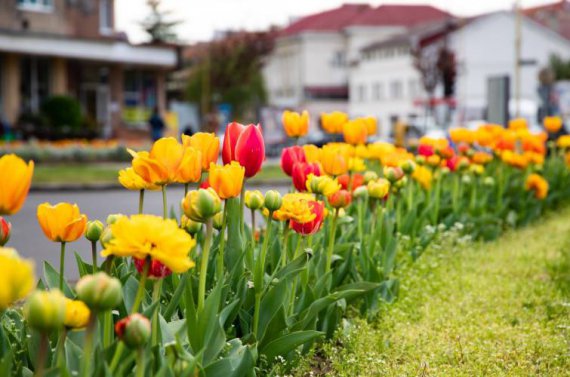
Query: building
61	47
385	83
309	67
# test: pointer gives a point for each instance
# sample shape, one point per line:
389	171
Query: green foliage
62	112
560	67
157	25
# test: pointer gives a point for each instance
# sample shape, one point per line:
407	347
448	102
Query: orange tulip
227	180
207	143
16	181
333	122
355	132
62	222
538	185
552	124
295	124
333	160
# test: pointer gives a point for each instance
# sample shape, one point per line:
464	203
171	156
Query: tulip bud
378	189
112	218
420	160
156	270
5	230
45	310
466	179
401	183
273	200
106	237
408	166
360	192
94	230
370	176
217	221
99	291
133	330
340	199
201	205
254	199
489	181
76	314
463	164
393	174
190	226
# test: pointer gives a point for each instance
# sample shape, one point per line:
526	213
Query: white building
309	67
384	82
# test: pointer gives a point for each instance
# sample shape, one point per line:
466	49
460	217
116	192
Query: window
105	17
413	90
34	82
339	59
361	93
36	5
396	90
377	91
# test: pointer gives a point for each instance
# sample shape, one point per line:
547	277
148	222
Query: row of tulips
234	280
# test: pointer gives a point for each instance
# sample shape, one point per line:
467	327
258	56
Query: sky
201	18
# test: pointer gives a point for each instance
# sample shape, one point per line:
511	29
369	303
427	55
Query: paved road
29	240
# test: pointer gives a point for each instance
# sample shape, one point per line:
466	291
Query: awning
111	51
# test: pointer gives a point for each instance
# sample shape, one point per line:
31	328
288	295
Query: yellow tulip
295	124
333	160
76	314
16	277
423	176
296	207
538	184
334	122
168	161
227	180
323	185
62	222
356	164
552	124
355	132
379	188
371	125
518	124
16	181
207	143
142	236
312	153
132	181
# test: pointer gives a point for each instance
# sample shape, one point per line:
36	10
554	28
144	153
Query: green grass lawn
107	173
493	309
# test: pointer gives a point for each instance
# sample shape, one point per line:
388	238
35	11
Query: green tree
560	67
157	25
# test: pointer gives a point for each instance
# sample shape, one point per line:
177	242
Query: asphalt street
28	238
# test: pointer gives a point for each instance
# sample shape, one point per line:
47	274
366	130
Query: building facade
59	47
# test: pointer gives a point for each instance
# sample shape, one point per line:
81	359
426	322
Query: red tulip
446	152
313	226
357	181
157	270
425	150
452	163
290	156
301	171
245	145
5	230
340	199
205	184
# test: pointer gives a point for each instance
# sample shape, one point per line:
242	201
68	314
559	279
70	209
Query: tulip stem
140	362
331	241
42	354
285	251
141	201
259	274
185	189
164	206
242	206
61	265
94	255
222	245
204	265
155	298
61	362
88	345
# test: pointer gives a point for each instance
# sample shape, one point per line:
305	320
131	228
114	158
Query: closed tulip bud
254	199
76	314
112	218
290	156
444	171
489	181
217	221
340	199
273	200
245	145
466	179
190	226
393	174
106	236
370	176
379	188
133	330
99	292
408	167
201	205
360	192
5	230
463	164
94	230
420	160
401	183
45	310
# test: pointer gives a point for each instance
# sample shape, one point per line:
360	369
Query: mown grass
490	309
107	173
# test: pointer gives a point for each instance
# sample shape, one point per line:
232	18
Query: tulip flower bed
202	291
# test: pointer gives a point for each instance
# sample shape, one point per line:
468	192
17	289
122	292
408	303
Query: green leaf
175	299
52	280
289	342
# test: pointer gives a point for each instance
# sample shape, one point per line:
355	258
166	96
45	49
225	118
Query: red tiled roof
400	15
330	20
555	16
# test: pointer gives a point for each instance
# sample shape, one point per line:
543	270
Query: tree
228	70
560	67
157	26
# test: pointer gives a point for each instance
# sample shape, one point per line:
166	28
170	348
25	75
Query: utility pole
518	48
